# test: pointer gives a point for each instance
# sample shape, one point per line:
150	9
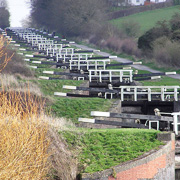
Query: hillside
148	19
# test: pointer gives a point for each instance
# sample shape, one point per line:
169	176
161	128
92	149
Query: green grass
105	148
164	81
148	19
48	87
39	71
73	108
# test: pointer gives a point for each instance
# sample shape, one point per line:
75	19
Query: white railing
164	92
110	74
88	63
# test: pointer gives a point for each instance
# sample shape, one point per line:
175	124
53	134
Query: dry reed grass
23	134
12	82
23	138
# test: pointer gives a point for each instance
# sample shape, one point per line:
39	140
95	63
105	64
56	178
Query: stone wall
154	165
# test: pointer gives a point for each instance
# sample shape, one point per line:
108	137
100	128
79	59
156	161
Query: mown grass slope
148	19
103	148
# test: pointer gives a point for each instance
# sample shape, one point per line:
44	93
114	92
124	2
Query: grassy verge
102	149
51	86
164	81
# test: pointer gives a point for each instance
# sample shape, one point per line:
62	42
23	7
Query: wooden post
162	93
122	94
100	76
135	94
149	94
90	76
121	74
175	94
110	76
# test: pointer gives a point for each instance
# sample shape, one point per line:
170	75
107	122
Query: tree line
69	17
4	15
87	19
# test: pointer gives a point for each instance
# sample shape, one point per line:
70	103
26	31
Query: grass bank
103	148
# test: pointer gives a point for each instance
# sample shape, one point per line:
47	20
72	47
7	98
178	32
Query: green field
148	19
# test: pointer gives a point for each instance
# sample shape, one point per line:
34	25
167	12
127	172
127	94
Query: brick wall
155	165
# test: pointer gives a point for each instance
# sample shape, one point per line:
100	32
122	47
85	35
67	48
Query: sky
19	10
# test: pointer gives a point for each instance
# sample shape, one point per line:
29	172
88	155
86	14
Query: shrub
114	44
145	42
17	66
130	28
176	35
166	52
129	46
175	22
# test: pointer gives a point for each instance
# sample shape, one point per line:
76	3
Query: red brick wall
145	171
148	170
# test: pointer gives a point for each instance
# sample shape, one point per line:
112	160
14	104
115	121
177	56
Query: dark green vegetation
70	18
102	149
4	15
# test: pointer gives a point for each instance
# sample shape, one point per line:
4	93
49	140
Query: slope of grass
102	149
48	87
164	81
73	108
148	19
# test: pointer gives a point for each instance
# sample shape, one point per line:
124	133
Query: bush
166	52
130	28
4	16
175	22
129	46
145	42
16	65
176	35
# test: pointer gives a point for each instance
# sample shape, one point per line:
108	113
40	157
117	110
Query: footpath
123	60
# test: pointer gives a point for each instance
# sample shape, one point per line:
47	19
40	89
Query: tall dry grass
23	133
23	137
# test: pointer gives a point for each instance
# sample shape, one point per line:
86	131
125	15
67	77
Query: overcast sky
19	10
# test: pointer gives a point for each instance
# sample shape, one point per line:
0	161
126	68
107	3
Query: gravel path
123	60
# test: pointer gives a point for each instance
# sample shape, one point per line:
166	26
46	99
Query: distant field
148	19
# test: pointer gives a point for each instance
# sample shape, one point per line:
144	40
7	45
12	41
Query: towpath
123	60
